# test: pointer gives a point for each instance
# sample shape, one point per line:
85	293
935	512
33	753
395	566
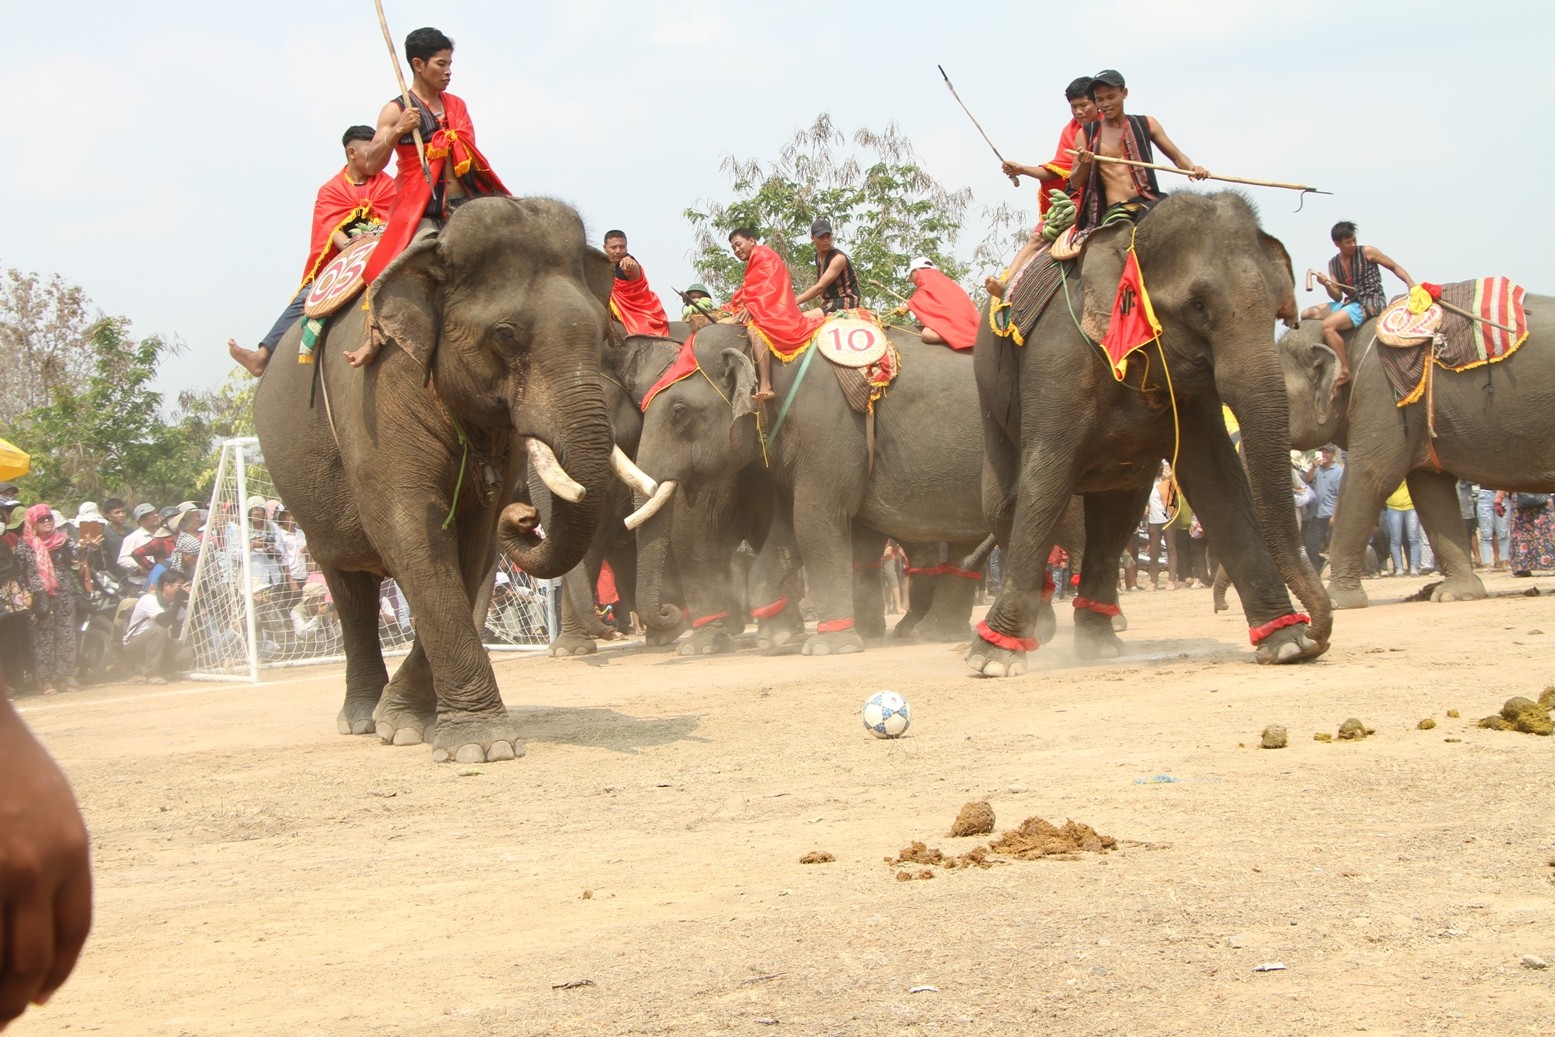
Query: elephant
1057	421
1493	425
924	484
491	335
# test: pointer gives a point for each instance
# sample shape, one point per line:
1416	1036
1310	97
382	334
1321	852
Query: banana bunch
1060	217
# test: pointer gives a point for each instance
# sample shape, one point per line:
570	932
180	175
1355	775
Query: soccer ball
886	715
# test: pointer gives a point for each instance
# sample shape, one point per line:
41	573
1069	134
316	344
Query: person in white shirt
147	519
151	638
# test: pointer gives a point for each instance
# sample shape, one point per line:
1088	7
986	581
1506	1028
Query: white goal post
266	606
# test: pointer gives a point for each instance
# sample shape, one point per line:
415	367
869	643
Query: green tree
884	208
111	437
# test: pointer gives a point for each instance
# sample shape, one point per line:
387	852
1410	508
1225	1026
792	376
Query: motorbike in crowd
100	652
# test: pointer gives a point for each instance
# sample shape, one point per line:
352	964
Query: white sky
164	154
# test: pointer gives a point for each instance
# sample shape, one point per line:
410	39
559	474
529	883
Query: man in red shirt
632	301
766	298
352	201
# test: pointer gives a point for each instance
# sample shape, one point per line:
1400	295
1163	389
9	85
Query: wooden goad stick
1303	188
399	74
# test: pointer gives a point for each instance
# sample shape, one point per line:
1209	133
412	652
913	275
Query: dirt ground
257	873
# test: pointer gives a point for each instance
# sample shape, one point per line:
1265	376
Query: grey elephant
923	486
1057	421
406	468
1494	425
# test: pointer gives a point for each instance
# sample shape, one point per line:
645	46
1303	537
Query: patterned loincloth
1030	289
1461	343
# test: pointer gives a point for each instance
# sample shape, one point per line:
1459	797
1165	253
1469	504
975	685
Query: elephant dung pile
974	819
1035	839
1525	715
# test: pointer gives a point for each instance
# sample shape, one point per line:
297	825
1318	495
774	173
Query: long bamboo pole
399	74
1303	188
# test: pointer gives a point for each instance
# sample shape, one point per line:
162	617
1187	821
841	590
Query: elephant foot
569	645
907	626
1219	601
710	640
1047	623
400	726
778	631
871	628
1347	595
1288	645
834	642
356	717
1094	636
939	630
475	738
662	637
991	660
1461	588
1119	623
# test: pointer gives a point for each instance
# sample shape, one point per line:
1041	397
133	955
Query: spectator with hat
91	547
147	521
835	281
159	548
186	524
942	307
698	301
46	559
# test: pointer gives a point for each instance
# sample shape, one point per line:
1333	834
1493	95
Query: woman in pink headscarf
46	560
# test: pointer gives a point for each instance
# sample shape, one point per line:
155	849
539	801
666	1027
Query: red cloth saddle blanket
862	386
1457	343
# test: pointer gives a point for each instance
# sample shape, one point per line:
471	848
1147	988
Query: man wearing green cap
698	301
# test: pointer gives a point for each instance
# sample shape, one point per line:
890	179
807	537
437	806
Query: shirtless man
835	279
1111	191
1354	283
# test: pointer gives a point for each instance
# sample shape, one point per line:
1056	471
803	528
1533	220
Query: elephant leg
580	624
950	615
1110	521
1212	473
356	603
1435	496
702	552
822	530
920	587
776	611
1222	581
1006	634
868	589
407	713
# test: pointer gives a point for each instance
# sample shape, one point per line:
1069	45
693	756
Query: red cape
638	307
684	365
339	203
455	139
768	297
1062	163
940	303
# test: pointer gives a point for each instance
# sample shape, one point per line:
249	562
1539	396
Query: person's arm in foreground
45	871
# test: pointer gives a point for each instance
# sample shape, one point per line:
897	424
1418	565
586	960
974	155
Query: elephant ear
403	302
1101	268
1322	370
600	274
740	379
1285	290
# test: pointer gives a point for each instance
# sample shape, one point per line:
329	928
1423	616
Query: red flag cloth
637	306
454	140
339	204
685	364
768	297
1133	322
605	589
941	304
1062	163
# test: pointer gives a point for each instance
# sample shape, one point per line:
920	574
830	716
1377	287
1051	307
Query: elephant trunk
571	429
653	549
1254	386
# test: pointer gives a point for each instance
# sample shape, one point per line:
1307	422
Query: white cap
921	263
88	512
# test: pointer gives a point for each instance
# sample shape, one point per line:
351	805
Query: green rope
464	462
793	390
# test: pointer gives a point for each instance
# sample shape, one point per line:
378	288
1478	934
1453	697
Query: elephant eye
506	336
1198	308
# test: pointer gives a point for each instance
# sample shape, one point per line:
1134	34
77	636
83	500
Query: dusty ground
259	874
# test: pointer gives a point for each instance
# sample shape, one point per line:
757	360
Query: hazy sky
164	154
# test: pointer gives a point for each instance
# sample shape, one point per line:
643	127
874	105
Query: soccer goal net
258	599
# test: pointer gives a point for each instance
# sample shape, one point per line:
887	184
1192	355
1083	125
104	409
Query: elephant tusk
553	474
629	473
665	491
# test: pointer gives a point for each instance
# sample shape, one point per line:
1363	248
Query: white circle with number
851	343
